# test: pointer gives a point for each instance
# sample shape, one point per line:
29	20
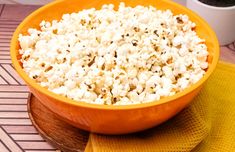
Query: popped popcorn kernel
115	57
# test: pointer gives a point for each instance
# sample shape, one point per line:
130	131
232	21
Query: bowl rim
31	83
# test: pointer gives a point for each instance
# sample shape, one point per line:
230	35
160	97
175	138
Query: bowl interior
56	9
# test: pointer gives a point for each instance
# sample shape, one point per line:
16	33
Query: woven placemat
17	134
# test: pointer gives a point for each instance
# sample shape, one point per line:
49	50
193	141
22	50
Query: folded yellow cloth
207	125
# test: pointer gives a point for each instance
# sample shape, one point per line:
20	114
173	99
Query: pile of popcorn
115	57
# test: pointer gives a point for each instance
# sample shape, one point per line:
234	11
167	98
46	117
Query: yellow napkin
207	125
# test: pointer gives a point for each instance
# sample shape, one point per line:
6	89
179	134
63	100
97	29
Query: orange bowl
109	119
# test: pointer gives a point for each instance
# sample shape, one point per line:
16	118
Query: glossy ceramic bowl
113	119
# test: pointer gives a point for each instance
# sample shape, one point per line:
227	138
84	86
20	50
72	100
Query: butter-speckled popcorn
115	57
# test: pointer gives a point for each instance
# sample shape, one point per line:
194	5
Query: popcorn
129	56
